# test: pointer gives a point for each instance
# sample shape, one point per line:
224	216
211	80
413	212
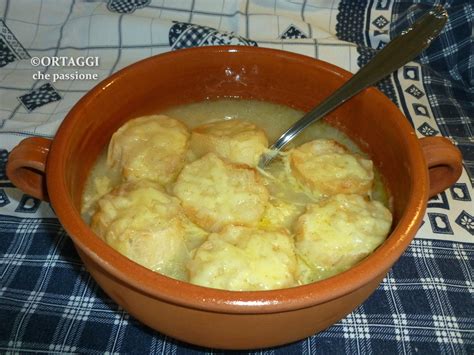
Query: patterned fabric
48	301
10	48
39	97
449	70
186	35
76	316
126	6
293	32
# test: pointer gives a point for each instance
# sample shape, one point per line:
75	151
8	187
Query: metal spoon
398	52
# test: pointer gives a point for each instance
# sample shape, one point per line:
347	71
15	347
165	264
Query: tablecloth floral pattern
48	301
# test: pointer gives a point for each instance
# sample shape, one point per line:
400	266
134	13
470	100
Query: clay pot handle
26	166
444	161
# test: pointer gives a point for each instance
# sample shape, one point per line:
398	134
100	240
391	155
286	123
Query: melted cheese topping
234	140
142	222
280	214
328	168
336	233
305	217
245	259
215	193
149	147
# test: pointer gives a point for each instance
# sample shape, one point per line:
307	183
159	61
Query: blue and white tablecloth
49	303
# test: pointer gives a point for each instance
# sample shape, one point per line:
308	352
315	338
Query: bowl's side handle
26	166
444	161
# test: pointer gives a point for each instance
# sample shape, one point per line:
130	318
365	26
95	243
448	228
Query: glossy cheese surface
235	140
191	203
245	259
215	193
149	147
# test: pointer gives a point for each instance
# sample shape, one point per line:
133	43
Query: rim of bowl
210	299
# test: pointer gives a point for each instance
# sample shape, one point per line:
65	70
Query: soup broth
274	119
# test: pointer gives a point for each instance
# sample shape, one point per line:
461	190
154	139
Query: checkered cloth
49	303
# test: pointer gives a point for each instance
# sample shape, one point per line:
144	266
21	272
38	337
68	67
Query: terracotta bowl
56	170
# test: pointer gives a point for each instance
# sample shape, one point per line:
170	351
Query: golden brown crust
142	222
234	140
215	193
245	259
337	232
149	147
328	168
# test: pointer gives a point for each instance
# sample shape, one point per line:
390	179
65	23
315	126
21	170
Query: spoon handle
396	53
